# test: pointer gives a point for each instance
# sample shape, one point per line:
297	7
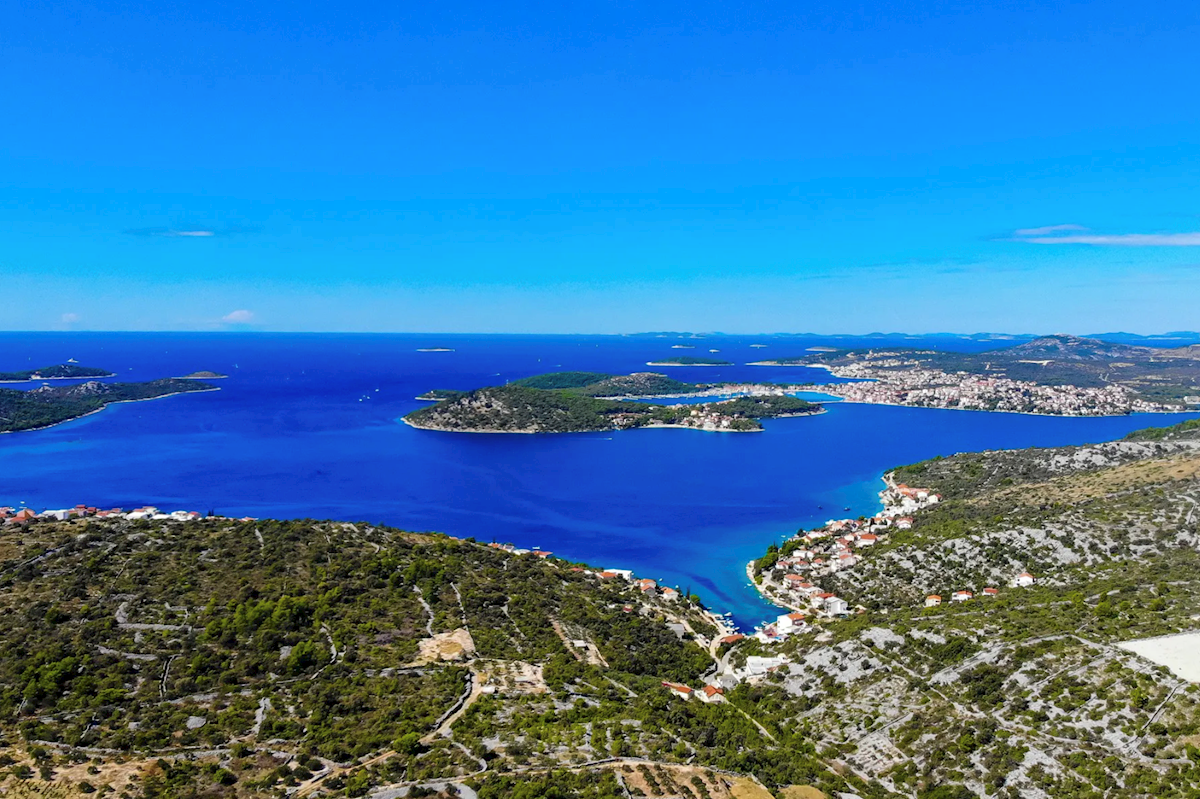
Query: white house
790	623
932	601
961	596
1024	580
710	694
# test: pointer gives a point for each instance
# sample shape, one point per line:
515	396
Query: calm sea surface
307	426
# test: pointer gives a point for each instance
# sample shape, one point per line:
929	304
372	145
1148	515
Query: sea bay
307	426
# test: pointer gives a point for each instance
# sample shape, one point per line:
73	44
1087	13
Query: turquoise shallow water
306	426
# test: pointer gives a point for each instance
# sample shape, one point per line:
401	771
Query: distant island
689	361
47	406
62	371
1051	375
574	402
204	375
435	349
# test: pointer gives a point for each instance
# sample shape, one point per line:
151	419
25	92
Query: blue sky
600	167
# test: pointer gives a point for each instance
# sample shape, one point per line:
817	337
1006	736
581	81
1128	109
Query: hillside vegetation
248	658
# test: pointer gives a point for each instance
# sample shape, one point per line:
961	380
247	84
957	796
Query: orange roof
934	596
731	639
712	690
674	686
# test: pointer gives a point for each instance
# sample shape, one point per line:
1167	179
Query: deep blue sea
307	426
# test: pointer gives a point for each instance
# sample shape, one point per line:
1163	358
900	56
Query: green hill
225	658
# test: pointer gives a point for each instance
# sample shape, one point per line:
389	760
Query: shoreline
582	432
104	406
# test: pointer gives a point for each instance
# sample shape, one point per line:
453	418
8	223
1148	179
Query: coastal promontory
575	402
51	405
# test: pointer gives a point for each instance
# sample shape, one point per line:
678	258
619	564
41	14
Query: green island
62	371
571	402
689	361
1013	624
204	375
51	405
243	658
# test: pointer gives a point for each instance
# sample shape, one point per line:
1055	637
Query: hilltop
239	658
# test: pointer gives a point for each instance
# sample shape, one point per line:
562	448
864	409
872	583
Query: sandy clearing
1179	653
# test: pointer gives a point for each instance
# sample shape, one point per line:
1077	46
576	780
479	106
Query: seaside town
895	382
793	580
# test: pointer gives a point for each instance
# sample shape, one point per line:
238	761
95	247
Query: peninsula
1052	375
998	604
62	371
572	402
47	406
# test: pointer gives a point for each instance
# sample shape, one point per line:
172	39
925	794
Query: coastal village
793	580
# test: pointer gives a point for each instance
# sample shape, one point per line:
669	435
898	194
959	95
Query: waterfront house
670	594
867	539
790	623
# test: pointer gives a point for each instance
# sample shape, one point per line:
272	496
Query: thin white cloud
1076	234
1047	230
1125	240
173	233
240	317
70	318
